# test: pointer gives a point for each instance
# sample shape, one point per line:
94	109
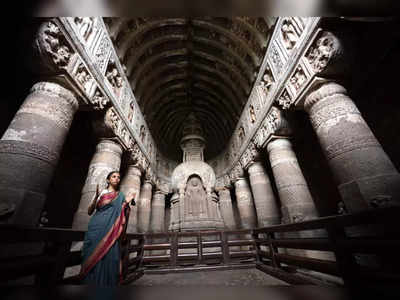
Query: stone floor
243	277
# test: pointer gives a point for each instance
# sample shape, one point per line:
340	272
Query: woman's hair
109	176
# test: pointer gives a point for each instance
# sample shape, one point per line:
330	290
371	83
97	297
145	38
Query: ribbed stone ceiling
178	66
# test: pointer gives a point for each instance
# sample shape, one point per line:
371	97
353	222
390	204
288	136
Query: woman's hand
129	197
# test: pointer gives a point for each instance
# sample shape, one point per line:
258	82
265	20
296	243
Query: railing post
225	247
125	257
273	250
346	263
174	249
199	248
142	241
256	246
52	276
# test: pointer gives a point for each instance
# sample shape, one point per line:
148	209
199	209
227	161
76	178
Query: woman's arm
92	205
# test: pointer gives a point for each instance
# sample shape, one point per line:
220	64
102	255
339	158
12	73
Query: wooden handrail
374	216
49	266
259	245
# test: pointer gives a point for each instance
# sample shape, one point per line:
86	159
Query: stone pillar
245	204
131	184
175	219
225	204
30	149
364	173
158	212
144	207
264	198
106	159
297	203
158	219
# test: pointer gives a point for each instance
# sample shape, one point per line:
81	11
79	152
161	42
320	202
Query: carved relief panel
98	100
114	78
83	78
322	50
53	44
291	30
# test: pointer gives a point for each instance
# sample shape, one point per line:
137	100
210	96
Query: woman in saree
101	264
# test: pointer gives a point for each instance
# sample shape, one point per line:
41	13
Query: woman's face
114	179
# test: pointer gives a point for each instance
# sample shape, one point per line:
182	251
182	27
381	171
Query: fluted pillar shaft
297	203
245	204
264	198
107	158
144	207
365	175
131	184
158	212
225	204
30	150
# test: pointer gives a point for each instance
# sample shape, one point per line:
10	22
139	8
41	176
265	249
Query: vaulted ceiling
178	66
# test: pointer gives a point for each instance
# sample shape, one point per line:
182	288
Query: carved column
106	159
296	200
144	207
297	203
175	211
264	198
158	212
30	149
225	204
158	219
364	173
244	201
131	184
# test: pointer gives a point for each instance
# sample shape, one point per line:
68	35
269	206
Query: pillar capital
250	156
159	193
104	123
256	167
52	47
162	186
236	173
137	158
223	182
322	91
148	182
275	124
134	170
277	143
54	89
109	145
325	53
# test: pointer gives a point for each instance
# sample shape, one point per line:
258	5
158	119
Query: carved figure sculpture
298	78
99	100
289	34
131	111
195	197
241	134
252	114
322	52
85	26
142	133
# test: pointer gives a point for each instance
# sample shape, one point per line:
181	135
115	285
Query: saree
101	258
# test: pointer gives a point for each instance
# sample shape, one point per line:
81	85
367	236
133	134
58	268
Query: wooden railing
374	234
45	253
198	250
272	250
